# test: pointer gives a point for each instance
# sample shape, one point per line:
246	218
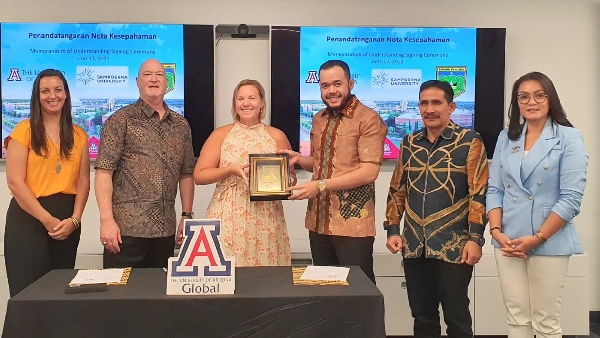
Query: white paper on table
98	276
331	273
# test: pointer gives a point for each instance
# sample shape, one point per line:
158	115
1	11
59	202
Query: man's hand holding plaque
269	177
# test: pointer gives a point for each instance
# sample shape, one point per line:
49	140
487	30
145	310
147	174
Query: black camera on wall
243	31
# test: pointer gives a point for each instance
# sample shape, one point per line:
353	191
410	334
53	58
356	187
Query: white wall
558	37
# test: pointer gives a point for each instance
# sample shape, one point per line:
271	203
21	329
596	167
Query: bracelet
495	228
187	214
76	223
540	237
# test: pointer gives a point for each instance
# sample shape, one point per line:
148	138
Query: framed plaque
269	176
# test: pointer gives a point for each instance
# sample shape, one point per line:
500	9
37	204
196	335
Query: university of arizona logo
312	77
201	268
14	75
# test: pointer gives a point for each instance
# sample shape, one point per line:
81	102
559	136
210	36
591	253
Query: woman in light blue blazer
537	179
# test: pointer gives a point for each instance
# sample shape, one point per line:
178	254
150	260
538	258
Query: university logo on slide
170	74
14	75
102	76
396	78
455	76
201	268
312	77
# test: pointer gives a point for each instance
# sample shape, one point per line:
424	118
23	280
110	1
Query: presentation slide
388	65
99	61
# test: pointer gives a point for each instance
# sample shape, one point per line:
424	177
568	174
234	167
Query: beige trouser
532	289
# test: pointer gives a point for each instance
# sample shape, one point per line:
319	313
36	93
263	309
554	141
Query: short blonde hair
261	93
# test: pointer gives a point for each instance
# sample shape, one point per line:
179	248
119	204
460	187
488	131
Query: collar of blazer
521	168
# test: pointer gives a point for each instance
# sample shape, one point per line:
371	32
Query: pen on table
164	269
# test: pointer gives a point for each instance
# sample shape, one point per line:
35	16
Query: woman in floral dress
254	232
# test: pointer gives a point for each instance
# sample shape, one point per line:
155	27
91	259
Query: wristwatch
187	214
477	239
321	185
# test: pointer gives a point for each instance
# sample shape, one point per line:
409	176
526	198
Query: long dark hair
556	113
38	131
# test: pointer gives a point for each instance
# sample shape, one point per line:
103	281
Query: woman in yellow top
48	174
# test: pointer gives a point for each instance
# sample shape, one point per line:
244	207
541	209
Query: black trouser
431	281
137	252
341	250
29	251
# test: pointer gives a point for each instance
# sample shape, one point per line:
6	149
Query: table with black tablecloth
265	304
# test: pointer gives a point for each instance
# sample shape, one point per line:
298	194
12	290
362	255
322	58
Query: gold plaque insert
269	176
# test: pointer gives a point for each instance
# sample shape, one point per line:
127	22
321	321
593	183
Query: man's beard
343	103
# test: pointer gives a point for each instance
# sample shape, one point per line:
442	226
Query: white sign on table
201	268
328	273
97	276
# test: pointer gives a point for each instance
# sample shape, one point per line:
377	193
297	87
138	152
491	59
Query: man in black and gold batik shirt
439	185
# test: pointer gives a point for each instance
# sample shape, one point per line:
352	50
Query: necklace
57	167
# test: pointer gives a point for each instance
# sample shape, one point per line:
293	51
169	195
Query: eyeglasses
538	98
